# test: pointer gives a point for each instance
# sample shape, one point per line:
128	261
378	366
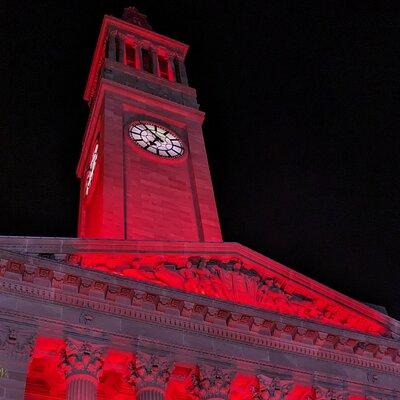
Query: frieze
112	298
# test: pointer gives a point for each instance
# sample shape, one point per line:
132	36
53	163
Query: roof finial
133	16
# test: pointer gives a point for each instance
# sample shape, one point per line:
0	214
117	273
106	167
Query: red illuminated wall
159	194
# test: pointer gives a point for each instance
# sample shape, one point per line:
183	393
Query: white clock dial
156	139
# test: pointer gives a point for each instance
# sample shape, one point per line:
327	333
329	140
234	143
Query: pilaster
182	71
121	48
111	46
154	61
171	68
138	56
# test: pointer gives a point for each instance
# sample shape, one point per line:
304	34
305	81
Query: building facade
149	302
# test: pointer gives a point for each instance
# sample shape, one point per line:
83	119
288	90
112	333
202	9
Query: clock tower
149	303
143	166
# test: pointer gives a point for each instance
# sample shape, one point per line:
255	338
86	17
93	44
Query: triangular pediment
224	271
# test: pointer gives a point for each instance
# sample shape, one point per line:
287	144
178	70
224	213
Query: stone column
82	363
121	48
154	58
171	68
111	46
138	56
182	71
212	383
16	347
149	375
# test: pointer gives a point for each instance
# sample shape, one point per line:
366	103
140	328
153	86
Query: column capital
212	382
154	57
82	358
149	371
271	388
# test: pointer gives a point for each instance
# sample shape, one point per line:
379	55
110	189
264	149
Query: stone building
149	302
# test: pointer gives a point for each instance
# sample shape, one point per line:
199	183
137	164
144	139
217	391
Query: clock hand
152	142
159	135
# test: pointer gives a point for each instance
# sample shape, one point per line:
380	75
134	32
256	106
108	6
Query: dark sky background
302	126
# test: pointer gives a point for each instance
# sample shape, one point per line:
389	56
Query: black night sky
302	127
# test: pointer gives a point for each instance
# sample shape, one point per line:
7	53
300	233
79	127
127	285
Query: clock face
156	139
